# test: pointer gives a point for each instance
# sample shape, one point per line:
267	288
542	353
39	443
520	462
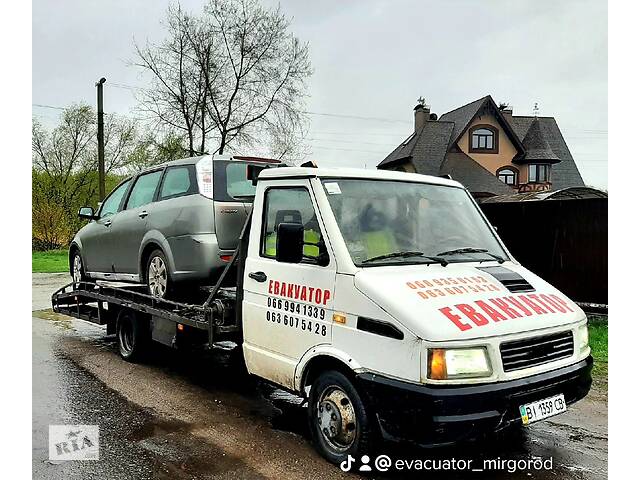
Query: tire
157	276
77	268
338	419
132	334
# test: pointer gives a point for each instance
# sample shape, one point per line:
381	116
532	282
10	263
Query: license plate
536	411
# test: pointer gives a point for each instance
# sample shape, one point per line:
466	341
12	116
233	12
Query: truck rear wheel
132	335
338	419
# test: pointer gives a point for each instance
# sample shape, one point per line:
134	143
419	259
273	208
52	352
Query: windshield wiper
472	250
408	254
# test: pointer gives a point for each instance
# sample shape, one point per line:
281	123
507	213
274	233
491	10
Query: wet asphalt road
180	416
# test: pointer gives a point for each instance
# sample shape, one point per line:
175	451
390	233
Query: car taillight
204	173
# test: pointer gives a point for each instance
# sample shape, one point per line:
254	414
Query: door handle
143	214
258	276
107	223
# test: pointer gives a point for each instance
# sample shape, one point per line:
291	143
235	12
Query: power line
40	105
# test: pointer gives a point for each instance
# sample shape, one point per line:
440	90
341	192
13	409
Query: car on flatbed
172	223
386	301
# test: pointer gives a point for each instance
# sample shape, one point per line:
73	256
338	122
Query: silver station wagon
175	222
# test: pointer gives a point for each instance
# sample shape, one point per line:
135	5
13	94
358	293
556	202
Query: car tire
77	268
338	419
132	335
159	282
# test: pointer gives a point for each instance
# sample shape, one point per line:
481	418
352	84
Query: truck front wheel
338	419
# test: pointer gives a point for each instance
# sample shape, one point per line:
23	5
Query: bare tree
176	98
234	74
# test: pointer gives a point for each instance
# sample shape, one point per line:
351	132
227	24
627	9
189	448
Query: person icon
365	467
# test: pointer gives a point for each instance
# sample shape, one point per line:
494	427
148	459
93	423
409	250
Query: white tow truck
385	299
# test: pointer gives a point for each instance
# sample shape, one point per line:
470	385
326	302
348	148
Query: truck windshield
392	222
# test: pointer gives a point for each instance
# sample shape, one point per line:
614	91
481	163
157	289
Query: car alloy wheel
157	277
77	268
336	418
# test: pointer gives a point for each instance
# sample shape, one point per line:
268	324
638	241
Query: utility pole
101	139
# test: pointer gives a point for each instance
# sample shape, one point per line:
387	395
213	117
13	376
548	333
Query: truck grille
536	351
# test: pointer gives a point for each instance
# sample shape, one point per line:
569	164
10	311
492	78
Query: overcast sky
372	59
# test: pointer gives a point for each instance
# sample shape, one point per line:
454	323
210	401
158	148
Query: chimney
421	115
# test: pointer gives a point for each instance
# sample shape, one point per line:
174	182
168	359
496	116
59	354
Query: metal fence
562	241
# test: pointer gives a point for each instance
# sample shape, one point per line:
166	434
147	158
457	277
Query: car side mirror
289	242
86	212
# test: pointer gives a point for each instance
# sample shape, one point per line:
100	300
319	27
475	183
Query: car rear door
233	195
130	225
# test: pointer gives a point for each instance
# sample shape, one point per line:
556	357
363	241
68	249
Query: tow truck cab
391	304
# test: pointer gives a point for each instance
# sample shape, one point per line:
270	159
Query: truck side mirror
253	171
86	212
289	242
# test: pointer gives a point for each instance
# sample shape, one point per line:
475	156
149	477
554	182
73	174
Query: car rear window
231	183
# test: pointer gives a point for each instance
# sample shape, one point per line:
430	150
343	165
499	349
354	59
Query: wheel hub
337	419
157	277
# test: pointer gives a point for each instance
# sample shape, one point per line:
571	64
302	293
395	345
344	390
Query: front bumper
440	415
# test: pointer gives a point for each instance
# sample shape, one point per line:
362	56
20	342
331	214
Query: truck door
287	308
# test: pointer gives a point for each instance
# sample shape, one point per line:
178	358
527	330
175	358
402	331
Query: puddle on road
179	453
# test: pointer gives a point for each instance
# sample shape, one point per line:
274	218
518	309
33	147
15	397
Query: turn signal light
180	327
339	318
437	365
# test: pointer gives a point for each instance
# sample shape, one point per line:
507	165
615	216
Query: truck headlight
449	363
582	337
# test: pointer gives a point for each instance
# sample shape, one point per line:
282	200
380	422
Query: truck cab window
292	205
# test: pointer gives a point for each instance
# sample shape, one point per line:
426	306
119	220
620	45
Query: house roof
564	174
463	116
472	175
426	148
432	150
536	145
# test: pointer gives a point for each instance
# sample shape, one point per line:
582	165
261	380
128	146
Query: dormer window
483	139
508	175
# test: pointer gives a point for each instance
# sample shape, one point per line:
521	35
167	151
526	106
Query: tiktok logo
345	466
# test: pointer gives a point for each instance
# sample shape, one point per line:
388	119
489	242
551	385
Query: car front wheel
158	280
77	269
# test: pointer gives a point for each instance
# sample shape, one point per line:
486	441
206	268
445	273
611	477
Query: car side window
111	204
177	181
144	189
292	205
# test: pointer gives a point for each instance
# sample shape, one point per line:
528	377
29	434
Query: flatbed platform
102	303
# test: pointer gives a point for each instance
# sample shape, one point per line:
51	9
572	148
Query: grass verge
599	343
52	261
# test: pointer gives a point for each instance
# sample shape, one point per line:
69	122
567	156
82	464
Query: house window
508	175
539	173
483	139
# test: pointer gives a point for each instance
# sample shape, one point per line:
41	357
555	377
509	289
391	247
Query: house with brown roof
487	149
